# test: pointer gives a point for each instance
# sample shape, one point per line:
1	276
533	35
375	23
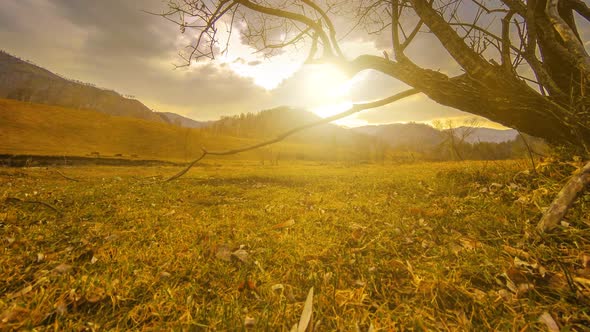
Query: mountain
182	121
488	135
404	134
423	136
24	81
275	121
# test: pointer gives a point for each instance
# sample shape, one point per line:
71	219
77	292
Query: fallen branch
18	200
65	176
565	199
354	109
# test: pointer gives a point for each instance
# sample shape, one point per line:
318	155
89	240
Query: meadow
236	245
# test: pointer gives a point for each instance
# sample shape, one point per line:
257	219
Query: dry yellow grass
49	130
447	246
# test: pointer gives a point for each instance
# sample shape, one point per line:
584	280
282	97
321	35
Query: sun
327	90
326	82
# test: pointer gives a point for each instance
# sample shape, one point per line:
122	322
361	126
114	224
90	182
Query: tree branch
295	17
465	56
569	37
580	7
329	23
354	109
506	61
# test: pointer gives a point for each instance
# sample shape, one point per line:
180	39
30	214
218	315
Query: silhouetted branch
354	109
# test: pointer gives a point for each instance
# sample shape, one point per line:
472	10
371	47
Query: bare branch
411	36
506	60
354	109
329	23
472	62
295	17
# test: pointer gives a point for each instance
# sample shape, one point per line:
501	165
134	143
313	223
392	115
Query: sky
115	44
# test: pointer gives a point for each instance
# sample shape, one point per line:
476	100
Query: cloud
115	45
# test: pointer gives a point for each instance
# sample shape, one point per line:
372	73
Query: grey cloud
120	27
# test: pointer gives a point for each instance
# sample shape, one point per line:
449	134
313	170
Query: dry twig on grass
564	200
18	200
66	177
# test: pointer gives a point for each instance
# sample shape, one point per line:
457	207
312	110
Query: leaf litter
379	251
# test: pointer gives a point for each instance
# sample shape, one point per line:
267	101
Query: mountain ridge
24	81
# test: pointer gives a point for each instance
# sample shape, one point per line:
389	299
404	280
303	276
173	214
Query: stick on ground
18	200
564	200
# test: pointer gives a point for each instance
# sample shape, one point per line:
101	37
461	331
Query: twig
181	173
354	109
529	150
18	200
66	177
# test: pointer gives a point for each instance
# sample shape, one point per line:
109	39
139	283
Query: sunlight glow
325	111
327	81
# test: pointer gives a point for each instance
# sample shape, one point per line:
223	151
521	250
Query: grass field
439	246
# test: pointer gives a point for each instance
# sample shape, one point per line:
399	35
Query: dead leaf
241	255
21	292
277	287
469	244
10	217
516	252
546	319
96	295
247	285
14	314
63	268
223	253
307	312
358	234
531	268
249	323
61	308
285	224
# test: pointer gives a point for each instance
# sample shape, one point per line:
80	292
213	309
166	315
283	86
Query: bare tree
523	63
456	137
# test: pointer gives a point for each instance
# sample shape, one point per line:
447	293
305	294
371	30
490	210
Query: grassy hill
27	128
24	81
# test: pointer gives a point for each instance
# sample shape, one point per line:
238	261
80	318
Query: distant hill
182	121
37	129
24	81
489	135
417	134
404	134
272	122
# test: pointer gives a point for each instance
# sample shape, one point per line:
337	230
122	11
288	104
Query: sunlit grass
417	246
